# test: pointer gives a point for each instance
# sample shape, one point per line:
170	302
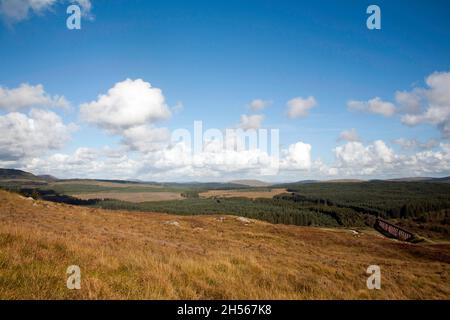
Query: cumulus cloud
146	138
130	109
297	157
24	136
375	105
27	96
354	157
349	135
259	104
376	159
408	144
86	163
177	161
409	102
253	121
214	159
18	10
430	105
435	103
430	162
299	107
127	104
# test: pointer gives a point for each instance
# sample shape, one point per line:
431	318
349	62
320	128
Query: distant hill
289	184
343	181
251	183
411	179
421	179
445	179
16	174
48	177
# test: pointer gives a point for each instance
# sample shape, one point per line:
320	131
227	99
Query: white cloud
27	96
297	157
253	121
86	163
378	160
18	10
408	144
375	105
23	136
410	102
429	105
259	104
128	104
216	160
146	138
439	92
356	158
349	135
435	104
431	162
299	107
178	162
130	109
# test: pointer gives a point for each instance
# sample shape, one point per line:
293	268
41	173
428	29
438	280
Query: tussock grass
131	255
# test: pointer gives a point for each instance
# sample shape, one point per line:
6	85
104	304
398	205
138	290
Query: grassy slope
138	255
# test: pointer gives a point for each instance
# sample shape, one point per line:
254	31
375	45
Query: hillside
6	174
136	255
251	183
48	177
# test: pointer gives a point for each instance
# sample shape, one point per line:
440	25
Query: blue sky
215	57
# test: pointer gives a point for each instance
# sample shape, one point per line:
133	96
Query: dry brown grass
107	184
132	196
127	255
251	194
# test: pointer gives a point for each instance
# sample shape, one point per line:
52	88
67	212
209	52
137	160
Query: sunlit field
135	255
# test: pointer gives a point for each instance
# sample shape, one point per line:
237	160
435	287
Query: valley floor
129	255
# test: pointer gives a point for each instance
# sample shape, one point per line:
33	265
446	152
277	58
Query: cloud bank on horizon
134	124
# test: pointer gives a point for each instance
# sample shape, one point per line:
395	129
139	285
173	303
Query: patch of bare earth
269	194
132	196
124	255
107	184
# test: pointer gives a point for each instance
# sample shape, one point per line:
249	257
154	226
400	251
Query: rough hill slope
157	256
16	174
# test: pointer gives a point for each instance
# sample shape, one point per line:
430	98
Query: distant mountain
16	174
251	183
